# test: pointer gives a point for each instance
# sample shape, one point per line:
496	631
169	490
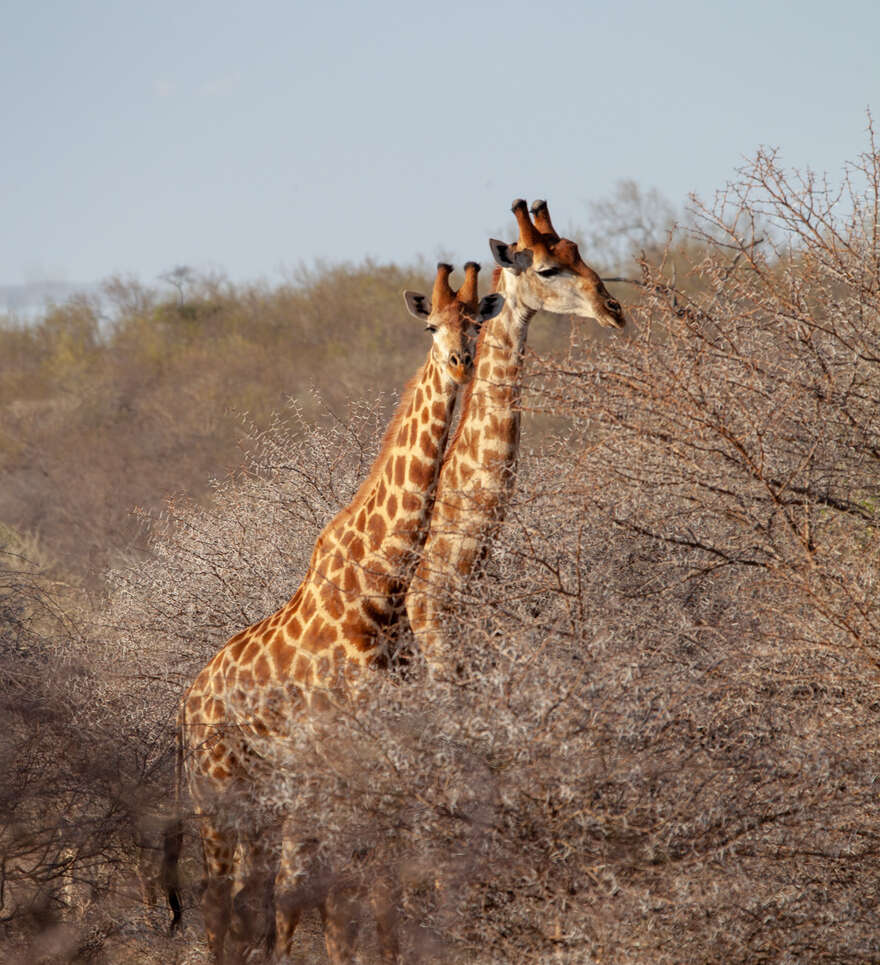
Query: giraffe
540	271
314	648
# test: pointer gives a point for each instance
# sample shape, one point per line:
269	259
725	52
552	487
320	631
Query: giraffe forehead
562	253
454	318
454	336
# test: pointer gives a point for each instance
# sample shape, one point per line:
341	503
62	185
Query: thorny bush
660	741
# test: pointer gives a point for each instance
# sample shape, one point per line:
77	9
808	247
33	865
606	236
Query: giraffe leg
297	888
252	923
383	898
339	914
219	850
288	899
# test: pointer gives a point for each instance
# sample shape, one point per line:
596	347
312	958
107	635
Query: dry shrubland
660	740
112	402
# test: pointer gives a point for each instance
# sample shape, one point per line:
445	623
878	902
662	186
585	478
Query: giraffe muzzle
460	372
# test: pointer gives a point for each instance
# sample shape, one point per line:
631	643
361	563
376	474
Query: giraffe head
454	319
550	273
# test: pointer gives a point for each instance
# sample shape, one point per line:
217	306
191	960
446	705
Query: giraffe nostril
453	359
467	360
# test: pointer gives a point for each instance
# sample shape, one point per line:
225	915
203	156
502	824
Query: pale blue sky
249	137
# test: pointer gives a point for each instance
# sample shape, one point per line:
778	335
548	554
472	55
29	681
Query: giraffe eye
549	272
430	328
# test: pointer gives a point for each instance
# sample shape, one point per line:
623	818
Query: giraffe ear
417	304
508	257
490	306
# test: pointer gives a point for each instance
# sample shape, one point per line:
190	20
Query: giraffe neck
344	614
402	481
490	410
498	372
476	475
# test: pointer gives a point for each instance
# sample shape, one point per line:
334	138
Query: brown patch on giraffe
337	562
391	506
464	562
410	502
319	636
302	670
424	417
421	473
221	773
262	670
193	703
237	644
356	632
438	411
350	582
307	610
361	520
281	655
323	668
418	399
427	445
376	531
436	382
249	654
356	550
320	702
375	611
291	622
333	605
339	654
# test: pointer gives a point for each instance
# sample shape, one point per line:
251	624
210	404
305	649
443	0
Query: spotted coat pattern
541	271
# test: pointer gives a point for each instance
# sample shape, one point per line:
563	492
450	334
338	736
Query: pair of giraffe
413	530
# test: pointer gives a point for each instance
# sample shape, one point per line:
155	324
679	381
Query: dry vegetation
113	403
660	744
